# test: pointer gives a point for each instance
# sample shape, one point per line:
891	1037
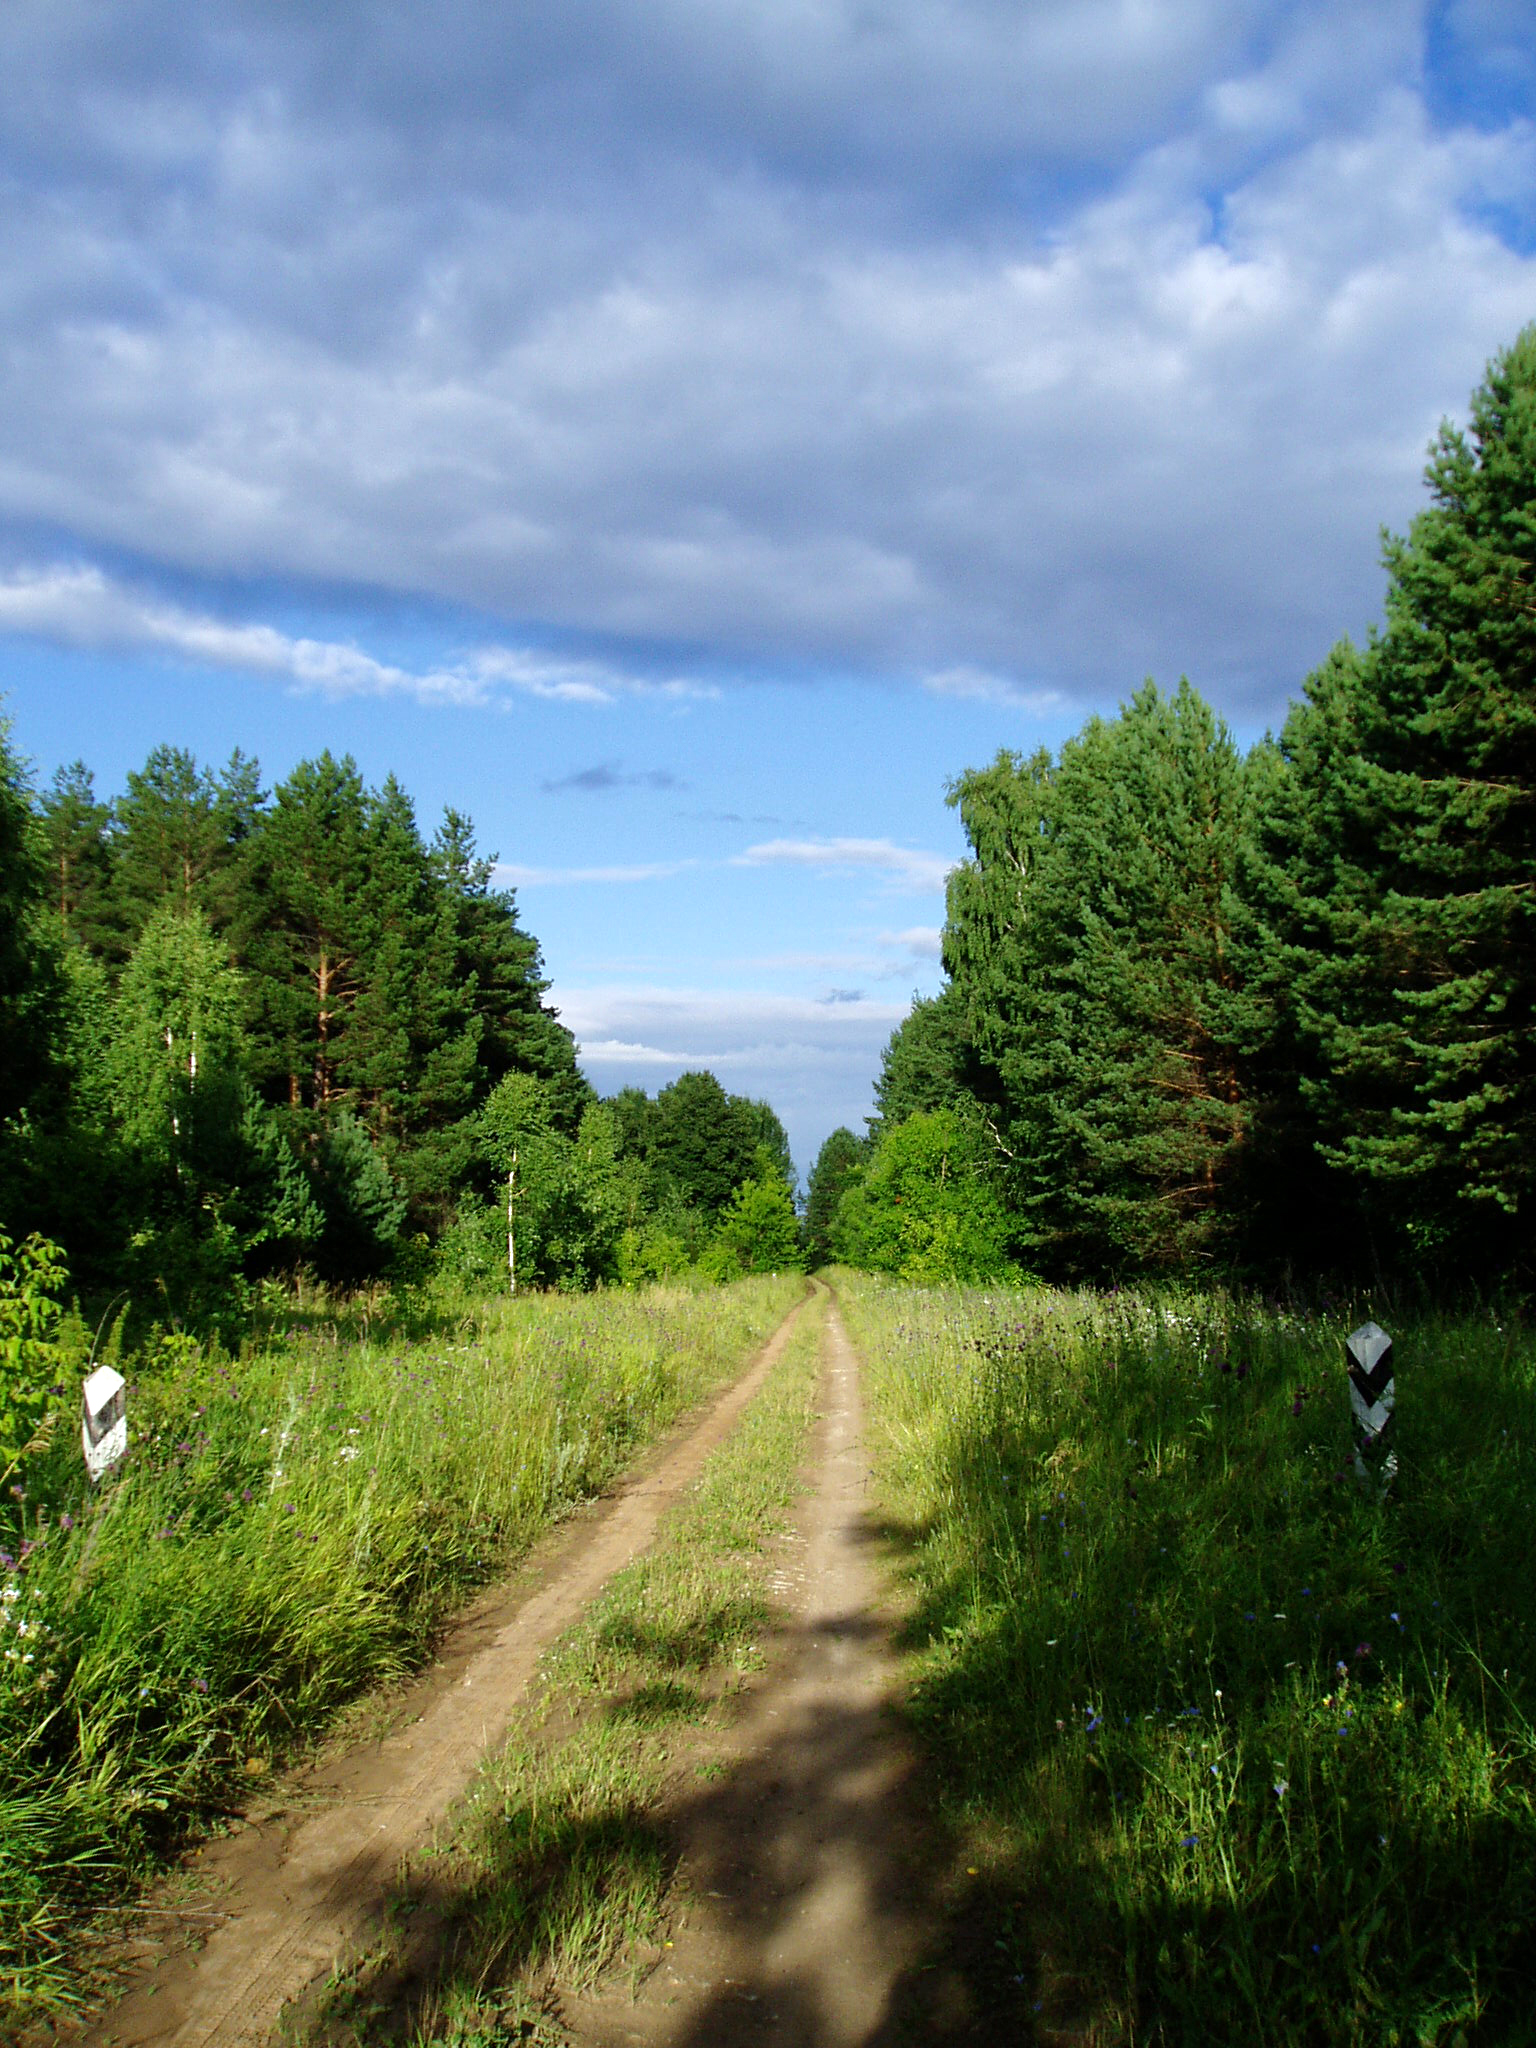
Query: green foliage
31	1277
758	1230
242	1031
174	1054
77	858
839	1157
924	1063
362	1203
1240	1753
27	984
703	1143
927	1206
1090	944
573	1199
1397	852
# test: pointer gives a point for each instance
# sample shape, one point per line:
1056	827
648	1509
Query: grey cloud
814	1061
607	775
731	818
1021	350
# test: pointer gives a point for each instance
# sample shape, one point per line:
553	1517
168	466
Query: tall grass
1242	1752
290	1528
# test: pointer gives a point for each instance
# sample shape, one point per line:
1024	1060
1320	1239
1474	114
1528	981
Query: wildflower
201	1684
66	1521
1341	1667
1282	1786
1362	1650
1189	1841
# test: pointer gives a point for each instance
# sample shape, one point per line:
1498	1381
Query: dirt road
811	1920
307	1885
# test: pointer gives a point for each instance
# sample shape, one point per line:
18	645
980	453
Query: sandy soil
280	1900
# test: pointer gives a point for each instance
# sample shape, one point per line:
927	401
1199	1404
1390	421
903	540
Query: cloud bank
1019	349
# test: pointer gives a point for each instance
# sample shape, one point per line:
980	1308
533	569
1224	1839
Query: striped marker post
1373	1397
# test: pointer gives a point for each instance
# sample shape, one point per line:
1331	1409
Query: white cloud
81	606
981	686
511	876
901	866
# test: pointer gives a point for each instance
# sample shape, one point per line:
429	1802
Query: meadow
290	1528
1237	1749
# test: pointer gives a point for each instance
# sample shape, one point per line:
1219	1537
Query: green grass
291	1529
558	1866
1239	1752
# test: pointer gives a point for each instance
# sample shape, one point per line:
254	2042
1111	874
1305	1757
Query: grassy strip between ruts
290	1530
1239	1751
557	1866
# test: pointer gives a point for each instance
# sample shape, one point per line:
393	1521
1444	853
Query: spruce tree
924	1062
28	978
838	1159
499	969
1399	859
1089	940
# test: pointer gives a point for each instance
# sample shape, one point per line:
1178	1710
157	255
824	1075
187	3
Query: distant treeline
1253	1013
243	1032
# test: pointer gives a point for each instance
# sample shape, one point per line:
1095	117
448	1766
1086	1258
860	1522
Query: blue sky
684	434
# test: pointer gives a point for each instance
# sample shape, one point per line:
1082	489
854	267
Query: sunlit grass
1241	1752
291	1528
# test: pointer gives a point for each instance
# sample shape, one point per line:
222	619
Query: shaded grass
291	1529
558	1865
1242	1753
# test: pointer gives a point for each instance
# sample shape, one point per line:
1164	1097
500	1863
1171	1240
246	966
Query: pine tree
309	954
178	831
77	854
